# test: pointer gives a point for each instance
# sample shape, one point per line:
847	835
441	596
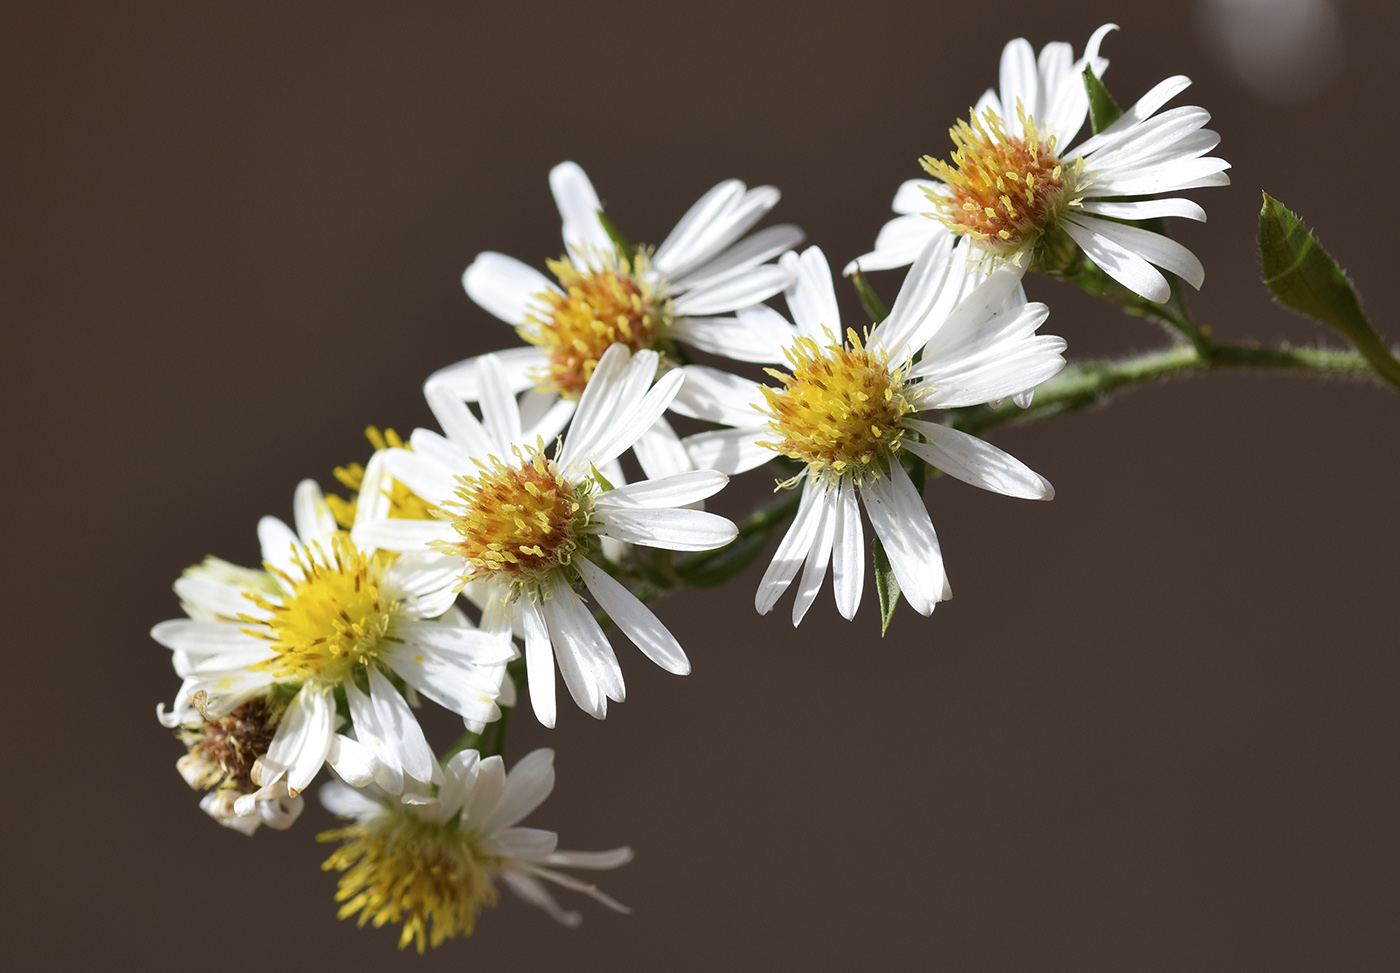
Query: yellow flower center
335	620
1004	190
403	869
840	409
612	303
403	502
516	522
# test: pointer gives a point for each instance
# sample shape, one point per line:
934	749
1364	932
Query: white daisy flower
327	615
847	413
523	528
705	270
1012	192
432	867
220	759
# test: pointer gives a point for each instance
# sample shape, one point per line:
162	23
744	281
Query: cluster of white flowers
521	504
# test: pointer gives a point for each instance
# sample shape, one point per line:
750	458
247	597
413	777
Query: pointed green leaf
1304	277
868	298
886	585
1103	110
624	248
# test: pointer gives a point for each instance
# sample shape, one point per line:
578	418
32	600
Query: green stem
1083	384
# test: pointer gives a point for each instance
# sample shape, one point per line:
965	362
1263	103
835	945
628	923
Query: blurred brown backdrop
1156	730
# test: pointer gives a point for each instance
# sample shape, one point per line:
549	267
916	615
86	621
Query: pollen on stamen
601	302
1004	190
426	875
334	620
839	411
516	521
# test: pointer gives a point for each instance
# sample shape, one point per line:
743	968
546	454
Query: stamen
615	302
840	409
1003	190
335	619
516	521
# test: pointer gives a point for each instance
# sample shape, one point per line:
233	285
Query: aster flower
847	412
1015	195
705	267
220	757
432	867
525	529
325	615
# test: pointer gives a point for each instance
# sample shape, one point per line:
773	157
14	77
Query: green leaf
603	481
1304	277
868	298
886	585
1103	110
624	248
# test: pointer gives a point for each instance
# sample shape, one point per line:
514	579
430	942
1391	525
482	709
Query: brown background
1155	730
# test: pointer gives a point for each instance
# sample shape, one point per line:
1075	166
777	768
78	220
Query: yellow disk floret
403	502
399	868
611	303
1003	190
840	410
517	521
335	620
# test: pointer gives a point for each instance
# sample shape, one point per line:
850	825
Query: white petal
902	523
578	208
744	255
899	242
424	474
352	761
371	732
613	858
485	795
401	726
1167	178
912	196
661	452
848	553
685	243
630	423
756	334
717	396
1154	247
527	786
818	555
1020	81
521	844
462	429
463	380
499	411
402	534
665	527
974	461
348	802
458	780
504	286
528	888
730	451
670	491
635	619
812	299
792	549
314	520
1147	105
279	546
619	381
586	660
1146	209
316	738
740	290
1120	263
539	661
